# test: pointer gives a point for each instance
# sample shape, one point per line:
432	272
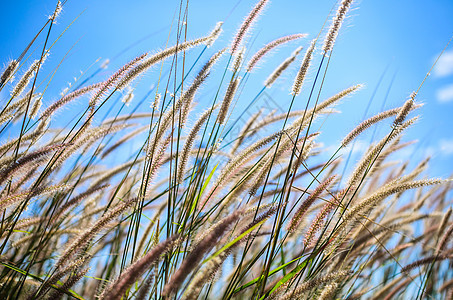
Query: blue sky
395	40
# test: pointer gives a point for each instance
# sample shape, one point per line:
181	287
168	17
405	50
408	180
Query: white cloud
446	147
445	94
444	66
360	146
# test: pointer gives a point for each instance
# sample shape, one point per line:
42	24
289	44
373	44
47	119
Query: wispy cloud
443	148
445	94
444	66
446	147
357	147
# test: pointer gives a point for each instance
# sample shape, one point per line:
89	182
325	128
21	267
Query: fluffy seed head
9	71
282	67
68	98
238	58
57	12
152	60
112	80
266	49
155	104
214	34
295	221
248	22
404	111
195	256
336	24
36	106
332	100
24	80
190	141
367	123
229	95
117	288
297	86
305	287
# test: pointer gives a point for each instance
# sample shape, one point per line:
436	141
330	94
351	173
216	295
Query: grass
195	214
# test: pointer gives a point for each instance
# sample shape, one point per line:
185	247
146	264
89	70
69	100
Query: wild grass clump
196	214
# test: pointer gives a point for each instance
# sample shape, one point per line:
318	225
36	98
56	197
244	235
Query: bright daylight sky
395	40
